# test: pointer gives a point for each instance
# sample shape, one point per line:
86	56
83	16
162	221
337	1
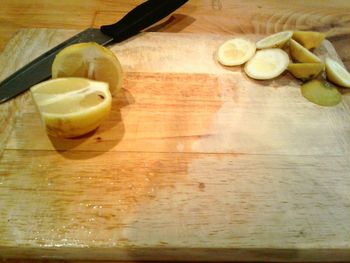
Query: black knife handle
141	17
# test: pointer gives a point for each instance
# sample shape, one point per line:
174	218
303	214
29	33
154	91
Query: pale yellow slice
276	40
267	64
71	107
301	54
235	52
337	73
305	71
309	39
321	93
89	60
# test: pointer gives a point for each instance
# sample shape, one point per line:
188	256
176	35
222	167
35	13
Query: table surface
197	16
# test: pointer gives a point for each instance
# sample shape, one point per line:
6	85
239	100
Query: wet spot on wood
201	186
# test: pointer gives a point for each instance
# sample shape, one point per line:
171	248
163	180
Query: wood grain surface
316	176
196	162
198	16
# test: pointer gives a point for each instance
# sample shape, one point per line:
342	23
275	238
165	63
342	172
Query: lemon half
89	60
305	71
235	52
321	93
337	73
267	64
276	40
302	54
71	107
309	39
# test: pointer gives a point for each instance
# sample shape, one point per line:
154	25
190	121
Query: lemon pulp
89	60
235	52
71	107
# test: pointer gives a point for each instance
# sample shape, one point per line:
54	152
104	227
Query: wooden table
197	16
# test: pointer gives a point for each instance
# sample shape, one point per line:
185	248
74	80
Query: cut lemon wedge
305	71
301	54
89	60
321	93
275	40
235	52
309	39
71	107
267	64
337	74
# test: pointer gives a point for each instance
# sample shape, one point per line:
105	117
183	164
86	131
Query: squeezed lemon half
267	64
276	40
235	52
337	73
305	71
302	54
309	39
321	93
89	60
71	107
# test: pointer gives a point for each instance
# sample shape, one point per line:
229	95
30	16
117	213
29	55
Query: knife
139	18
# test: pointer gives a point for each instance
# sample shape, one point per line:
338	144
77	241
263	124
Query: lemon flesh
305	71
309	39
337	74
321	93
71	107
235	52
267	64
89	60
301	54
277	40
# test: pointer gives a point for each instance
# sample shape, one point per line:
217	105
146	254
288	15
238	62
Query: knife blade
139	18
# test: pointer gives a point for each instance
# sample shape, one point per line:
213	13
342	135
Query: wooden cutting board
195	162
